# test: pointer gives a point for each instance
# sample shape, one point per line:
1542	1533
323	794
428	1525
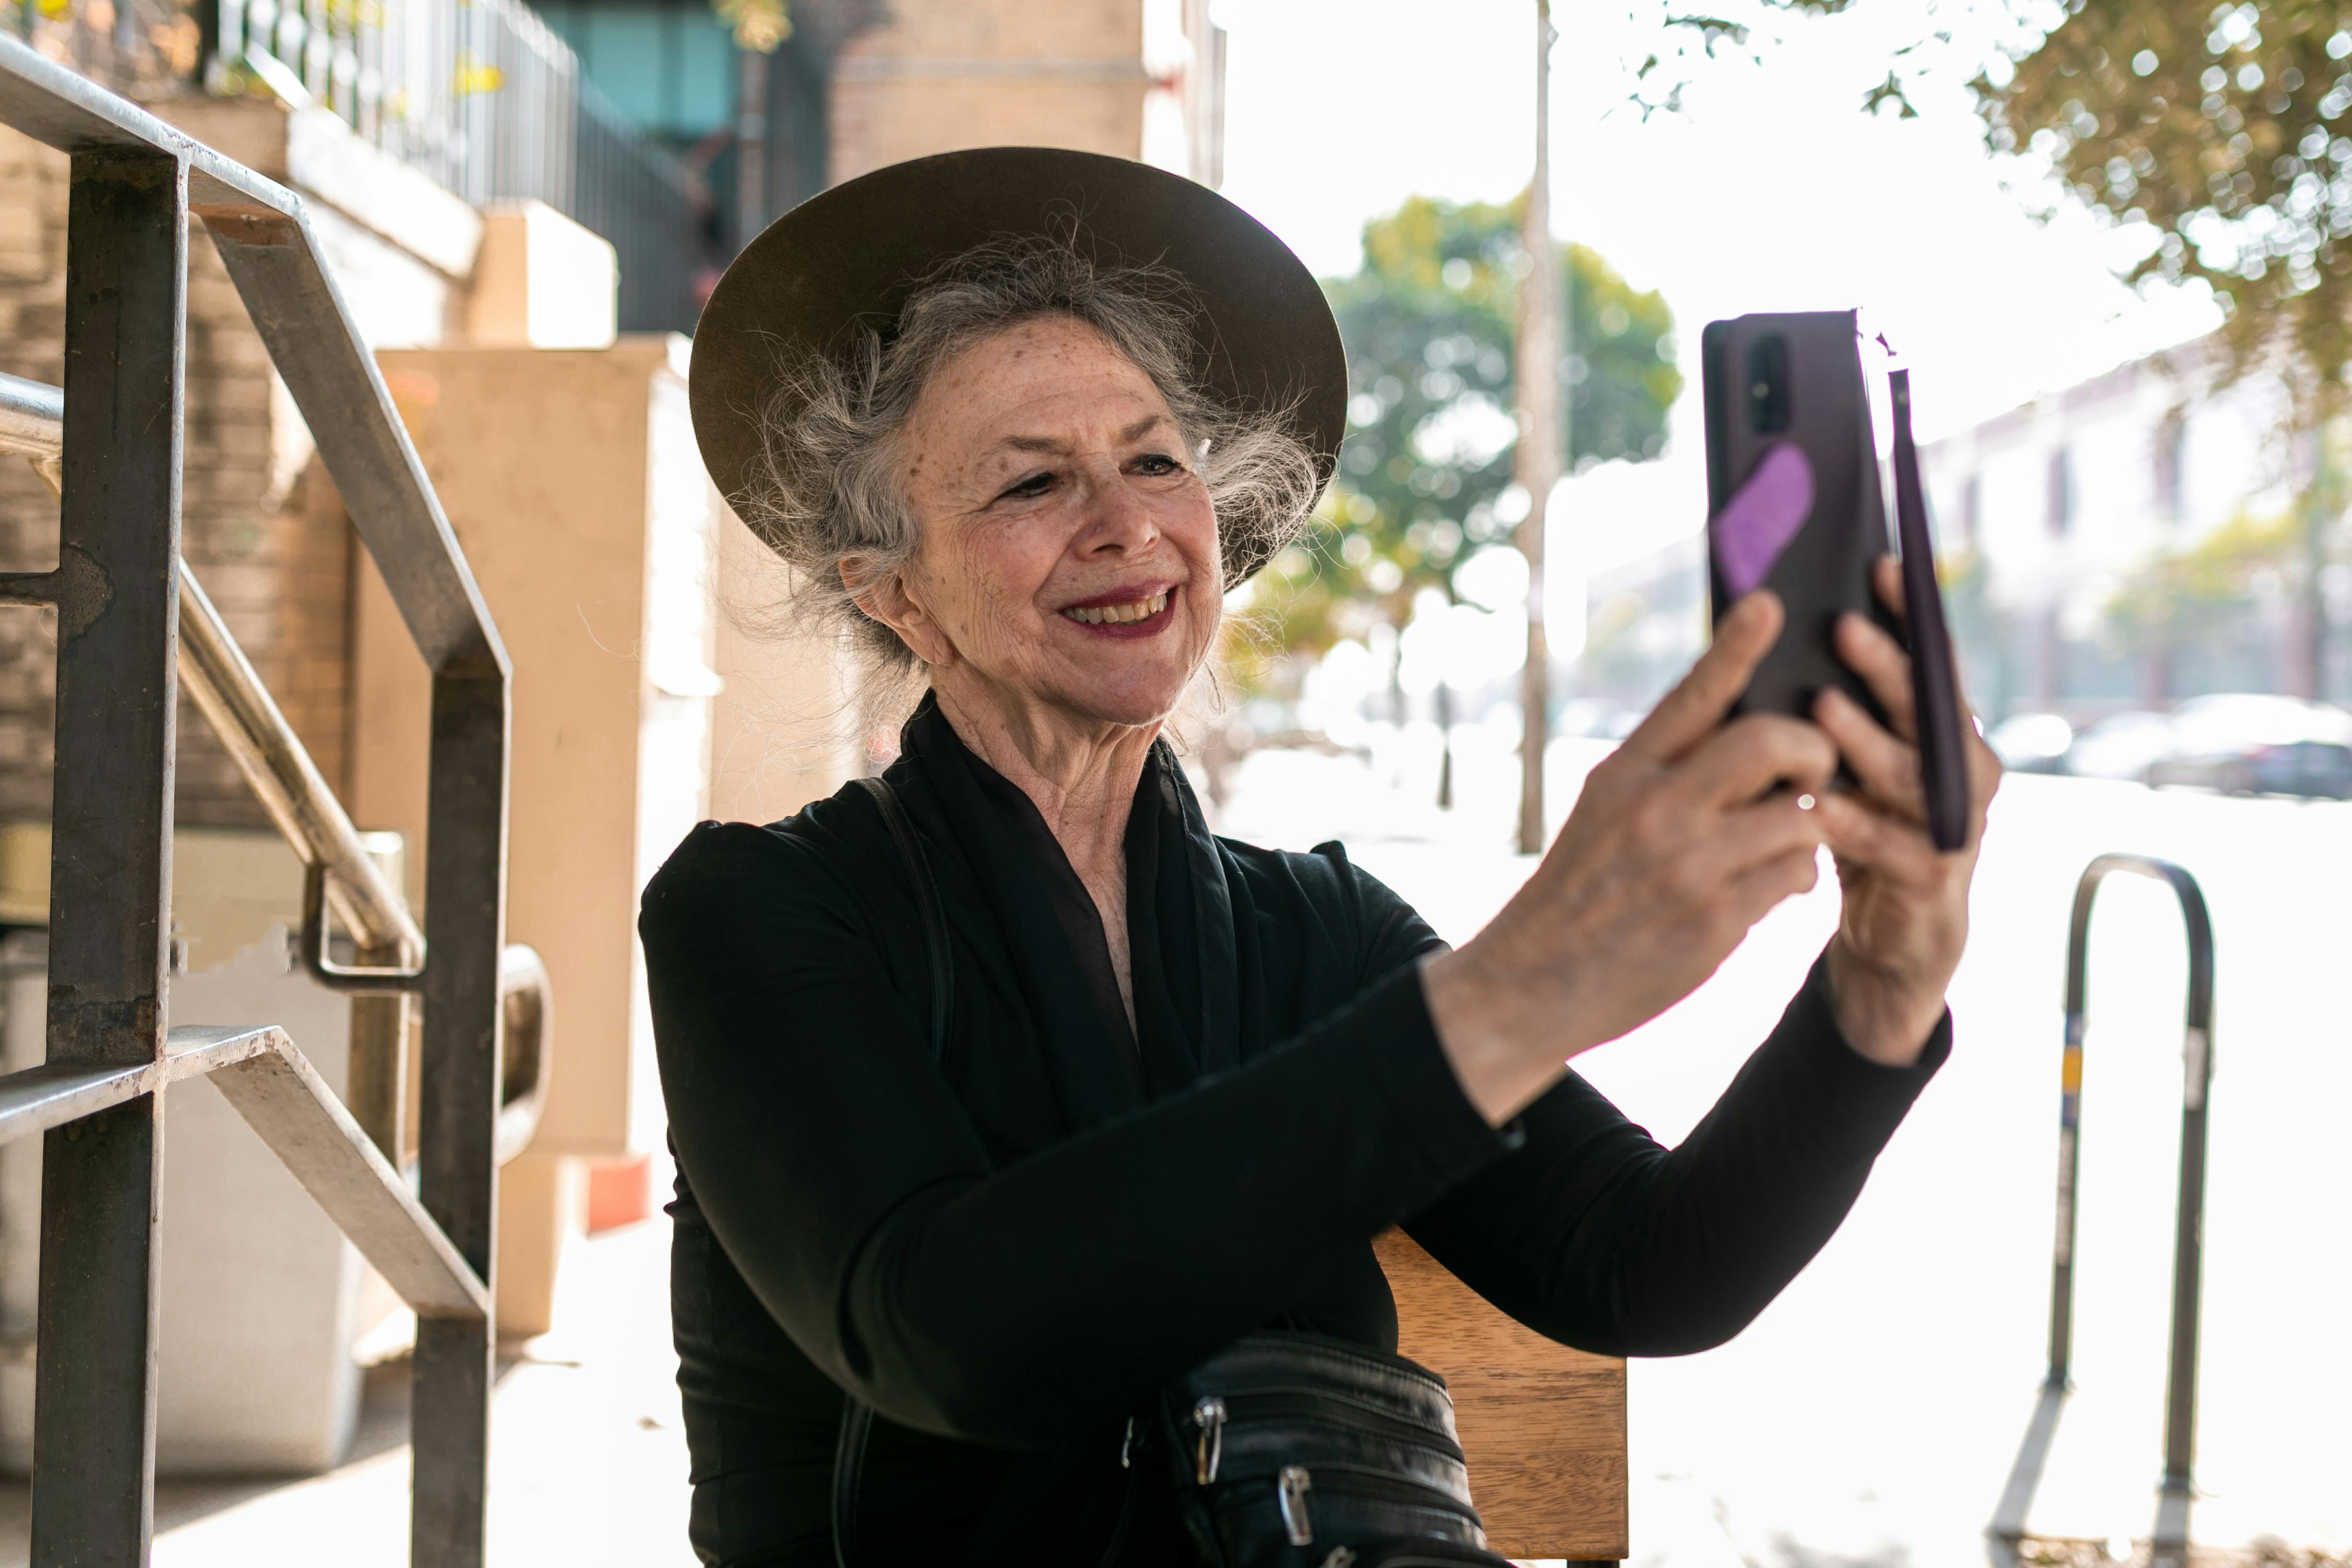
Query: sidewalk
587	1458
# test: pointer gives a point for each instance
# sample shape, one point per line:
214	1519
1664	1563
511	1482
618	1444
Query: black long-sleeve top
1006	1250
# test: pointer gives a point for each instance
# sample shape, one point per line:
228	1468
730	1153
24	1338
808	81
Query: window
2061	513
669	65
2171	447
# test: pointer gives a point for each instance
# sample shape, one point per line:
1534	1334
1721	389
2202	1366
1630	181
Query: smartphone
1786	405
1795	505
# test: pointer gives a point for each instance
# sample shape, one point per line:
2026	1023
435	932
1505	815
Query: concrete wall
572	482
261	1296
783	728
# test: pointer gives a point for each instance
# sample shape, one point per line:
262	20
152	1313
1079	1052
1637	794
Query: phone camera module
1768	385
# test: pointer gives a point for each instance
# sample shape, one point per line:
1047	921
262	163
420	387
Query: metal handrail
339	872
136	185
2170	1537
225	689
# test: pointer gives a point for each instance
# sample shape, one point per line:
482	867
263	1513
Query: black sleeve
1593	1234
836	1168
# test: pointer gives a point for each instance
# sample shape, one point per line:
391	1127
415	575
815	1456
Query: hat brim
1264	338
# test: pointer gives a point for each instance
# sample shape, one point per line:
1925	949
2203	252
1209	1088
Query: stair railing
132	624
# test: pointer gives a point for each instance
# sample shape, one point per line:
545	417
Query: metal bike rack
2171	1543
131	623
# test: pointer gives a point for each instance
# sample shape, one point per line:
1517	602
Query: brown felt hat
1264	336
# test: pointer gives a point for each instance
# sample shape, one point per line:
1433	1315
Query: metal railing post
465	922
117	592
2171	1537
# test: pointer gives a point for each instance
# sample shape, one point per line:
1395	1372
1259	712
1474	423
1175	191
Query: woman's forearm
1593	1234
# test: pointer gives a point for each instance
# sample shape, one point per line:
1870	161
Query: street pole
1536	464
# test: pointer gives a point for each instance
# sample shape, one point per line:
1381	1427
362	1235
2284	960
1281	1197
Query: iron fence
485	98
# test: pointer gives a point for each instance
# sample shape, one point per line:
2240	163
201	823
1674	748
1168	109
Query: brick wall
947	74
32	344
260	528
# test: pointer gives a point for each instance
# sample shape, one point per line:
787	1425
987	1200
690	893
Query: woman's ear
886	596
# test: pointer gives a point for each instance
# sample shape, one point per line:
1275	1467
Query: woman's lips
1143	617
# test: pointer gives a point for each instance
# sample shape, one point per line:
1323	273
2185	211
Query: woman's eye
1030	488
1158	463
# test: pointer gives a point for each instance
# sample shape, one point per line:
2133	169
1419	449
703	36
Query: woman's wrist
1503	1038
1885	1018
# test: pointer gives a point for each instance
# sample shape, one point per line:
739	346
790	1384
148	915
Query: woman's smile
1128	613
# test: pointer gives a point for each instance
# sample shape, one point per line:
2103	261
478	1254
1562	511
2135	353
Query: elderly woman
1014	1109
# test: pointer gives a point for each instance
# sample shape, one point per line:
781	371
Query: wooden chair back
1544	1426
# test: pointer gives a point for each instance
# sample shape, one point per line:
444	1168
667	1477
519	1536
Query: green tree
2223	128
1425	474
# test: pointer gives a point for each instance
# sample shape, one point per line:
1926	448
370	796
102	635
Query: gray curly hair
830	479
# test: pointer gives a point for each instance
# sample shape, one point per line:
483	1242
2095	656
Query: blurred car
2120	746
2253	743
2030	742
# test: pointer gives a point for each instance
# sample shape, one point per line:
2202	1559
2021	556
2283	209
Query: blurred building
748	127
853	85
2126	542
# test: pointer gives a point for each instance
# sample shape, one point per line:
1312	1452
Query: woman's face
1068	552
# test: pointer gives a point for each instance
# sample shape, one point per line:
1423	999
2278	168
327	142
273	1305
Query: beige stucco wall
570	479
947	74
784	728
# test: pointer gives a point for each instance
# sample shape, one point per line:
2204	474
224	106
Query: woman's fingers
1756	891
1887	578
1885	844
1686	715
1884	669
1887	769
1749	755
1780	825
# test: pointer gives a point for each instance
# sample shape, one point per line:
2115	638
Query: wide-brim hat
1264	336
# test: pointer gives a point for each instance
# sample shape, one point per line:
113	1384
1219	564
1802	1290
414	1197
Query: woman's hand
1679	842
1905	914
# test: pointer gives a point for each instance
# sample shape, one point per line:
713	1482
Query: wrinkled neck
1081	774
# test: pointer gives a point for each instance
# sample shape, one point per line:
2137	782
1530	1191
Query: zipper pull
1340	1558
1293	1487
1126	1447
1209	1415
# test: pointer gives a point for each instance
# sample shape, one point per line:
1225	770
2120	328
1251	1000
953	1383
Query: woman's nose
1117	516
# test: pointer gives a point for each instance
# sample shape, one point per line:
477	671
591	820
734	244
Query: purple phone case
1757	524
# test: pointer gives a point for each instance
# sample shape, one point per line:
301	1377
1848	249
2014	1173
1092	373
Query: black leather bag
1291	1450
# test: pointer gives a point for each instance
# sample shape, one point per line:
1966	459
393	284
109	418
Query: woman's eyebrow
1052	445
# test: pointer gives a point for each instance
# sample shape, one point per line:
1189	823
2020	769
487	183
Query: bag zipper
1209	1416
1391	1486
1290	1496
1358	1482
1330	1350
1319	1402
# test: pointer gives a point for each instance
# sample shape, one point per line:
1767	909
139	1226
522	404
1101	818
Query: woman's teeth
1120	614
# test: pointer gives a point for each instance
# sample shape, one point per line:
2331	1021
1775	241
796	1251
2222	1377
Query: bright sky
1772	191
